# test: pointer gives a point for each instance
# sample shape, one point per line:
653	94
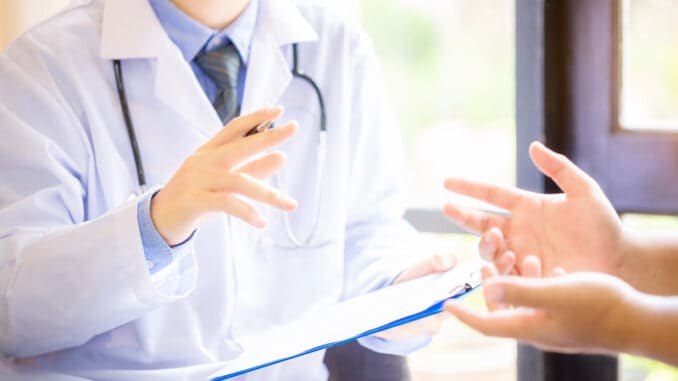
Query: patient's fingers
502	196
514	323
491	244
570	178
473	220
531	267
488	272
506	263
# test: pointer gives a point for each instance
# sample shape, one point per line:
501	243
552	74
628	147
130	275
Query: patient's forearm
654	333
651	263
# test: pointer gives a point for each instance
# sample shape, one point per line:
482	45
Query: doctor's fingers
428	326
430	265
231	205
264	167
252	188
476	221
235	153
238	127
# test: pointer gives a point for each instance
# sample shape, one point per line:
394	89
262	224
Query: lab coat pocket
277	284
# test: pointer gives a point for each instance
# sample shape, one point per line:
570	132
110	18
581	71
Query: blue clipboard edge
434	309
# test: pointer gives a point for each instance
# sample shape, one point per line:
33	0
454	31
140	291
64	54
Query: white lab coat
76	298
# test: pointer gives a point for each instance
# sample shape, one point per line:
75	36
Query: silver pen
260	128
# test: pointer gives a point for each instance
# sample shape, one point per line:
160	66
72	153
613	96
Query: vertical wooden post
546	107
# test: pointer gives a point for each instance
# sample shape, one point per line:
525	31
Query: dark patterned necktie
222	65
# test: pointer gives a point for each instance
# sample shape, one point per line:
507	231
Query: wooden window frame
580	79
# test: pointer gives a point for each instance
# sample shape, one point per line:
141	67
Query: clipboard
465	280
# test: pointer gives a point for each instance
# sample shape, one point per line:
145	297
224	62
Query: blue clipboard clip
473	281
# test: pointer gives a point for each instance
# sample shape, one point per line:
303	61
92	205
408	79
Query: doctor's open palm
578	230
222	176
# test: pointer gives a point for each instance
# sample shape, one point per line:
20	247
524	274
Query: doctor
95	284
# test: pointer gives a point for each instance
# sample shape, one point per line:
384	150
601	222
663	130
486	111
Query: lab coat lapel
269	71
177	87
131	30
268	74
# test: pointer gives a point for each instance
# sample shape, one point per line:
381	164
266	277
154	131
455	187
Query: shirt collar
191	37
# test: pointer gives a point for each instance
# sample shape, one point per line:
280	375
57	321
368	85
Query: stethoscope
322	141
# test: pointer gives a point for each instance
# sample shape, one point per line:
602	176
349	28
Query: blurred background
449	67
649	96
449	70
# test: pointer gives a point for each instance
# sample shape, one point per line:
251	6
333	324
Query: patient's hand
583	312
578	230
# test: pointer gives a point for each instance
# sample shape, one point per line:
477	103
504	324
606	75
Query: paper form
349	319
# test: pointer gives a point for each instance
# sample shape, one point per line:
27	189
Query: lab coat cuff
157	252
395	347
176	280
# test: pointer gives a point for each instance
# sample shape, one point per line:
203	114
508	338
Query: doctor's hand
582	312
578	230
222	176
431	325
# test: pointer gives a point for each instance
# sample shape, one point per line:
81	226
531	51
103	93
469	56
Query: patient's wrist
631	316
631	255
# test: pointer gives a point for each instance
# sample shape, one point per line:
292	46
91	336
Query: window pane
449	72
649	98
449	68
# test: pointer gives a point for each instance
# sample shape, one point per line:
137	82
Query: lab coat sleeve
380	243
65	275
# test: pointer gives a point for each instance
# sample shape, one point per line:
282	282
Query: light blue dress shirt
192	38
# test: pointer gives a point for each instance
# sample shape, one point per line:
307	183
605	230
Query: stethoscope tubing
129	125
322	151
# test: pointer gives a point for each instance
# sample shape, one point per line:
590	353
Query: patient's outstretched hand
583	312
578	230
